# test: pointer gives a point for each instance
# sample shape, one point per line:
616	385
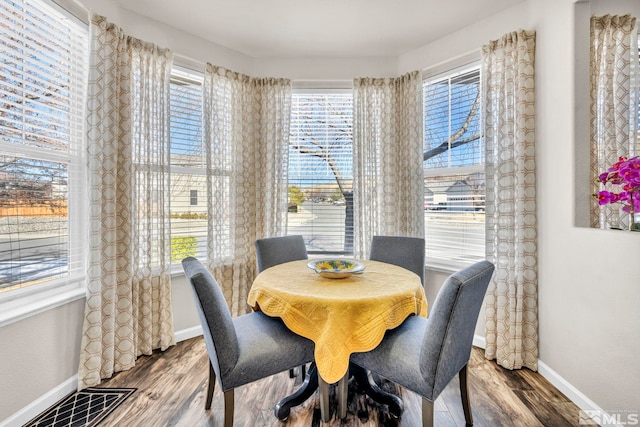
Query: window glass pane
42	84
33	220
454	185
320	171
188	180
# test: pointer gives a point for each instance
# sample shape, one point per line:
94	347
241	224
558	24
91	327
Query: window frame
22	302
443	72
320	88
194	77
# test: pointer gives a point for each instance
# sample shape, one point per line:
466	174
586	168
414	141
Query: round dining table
341	316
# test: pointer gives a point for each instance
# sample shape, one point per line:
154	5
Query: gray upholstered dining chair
406	252
272	251
423	355
241	349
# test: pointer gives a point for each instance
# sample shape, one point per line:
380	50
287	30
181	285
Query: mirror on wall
584	178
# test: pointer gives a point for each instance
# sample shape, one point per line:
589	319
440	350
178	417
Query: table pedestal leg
365	381
323	390
342	386
308	387
361	376
343	391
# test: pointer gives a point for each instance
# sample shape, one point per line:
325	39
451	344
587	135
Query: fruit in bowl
336	268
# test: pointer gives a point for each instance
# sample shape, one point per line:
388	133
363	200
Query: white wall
589	284
326	69
464	43
190	50
588	291
37	355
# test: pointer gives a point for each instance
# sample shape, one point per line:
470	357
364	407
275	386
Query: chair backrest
278	250
217	324
449	335
406	252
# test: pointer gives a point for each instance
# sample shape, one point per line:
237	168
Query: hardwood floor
172	387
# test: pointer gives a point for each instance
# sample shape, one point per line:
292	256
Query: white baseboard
47	400
41	404
479	341
186	334
580	400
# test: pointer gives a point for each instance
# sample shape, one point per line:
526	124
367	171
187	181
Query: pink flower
624	173
604	198
603	177
629	174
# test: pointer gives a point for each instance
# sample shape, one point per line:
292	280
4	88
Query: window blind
320	171
188	179
454	180
42	91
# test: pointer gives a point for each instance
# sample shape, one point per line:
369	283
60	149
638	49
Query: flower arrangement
625	173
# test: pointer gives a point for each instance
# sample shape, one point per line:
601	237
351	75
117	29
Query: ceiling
317	28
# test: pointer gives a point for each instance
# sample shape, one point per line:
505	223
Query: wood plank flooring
172	388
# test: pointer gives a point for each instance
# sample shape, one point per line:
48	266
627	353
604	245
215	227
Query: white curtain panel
388	176
614	105
128	308
511	224
246	131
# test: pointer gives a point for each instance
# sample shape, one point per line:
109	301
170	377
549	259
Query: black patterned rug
84	408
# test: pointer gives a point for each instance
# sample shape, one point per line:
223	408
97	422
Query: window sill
30	304
446	268
440	268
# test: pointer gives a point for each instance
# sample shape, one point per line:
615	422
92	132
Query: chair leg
211	387
427	413
303	371
464	394
228	408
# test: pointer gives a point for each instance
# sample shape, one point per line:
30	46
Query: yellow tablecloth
341	316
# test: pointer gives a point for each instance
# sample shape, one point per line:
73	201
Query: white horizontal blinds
42	83
454	183
320	171
188	210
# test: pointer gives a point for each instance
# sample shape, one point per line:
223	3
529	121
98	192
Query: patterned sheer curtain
387	159
511	225
128	308
614	104
246	130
